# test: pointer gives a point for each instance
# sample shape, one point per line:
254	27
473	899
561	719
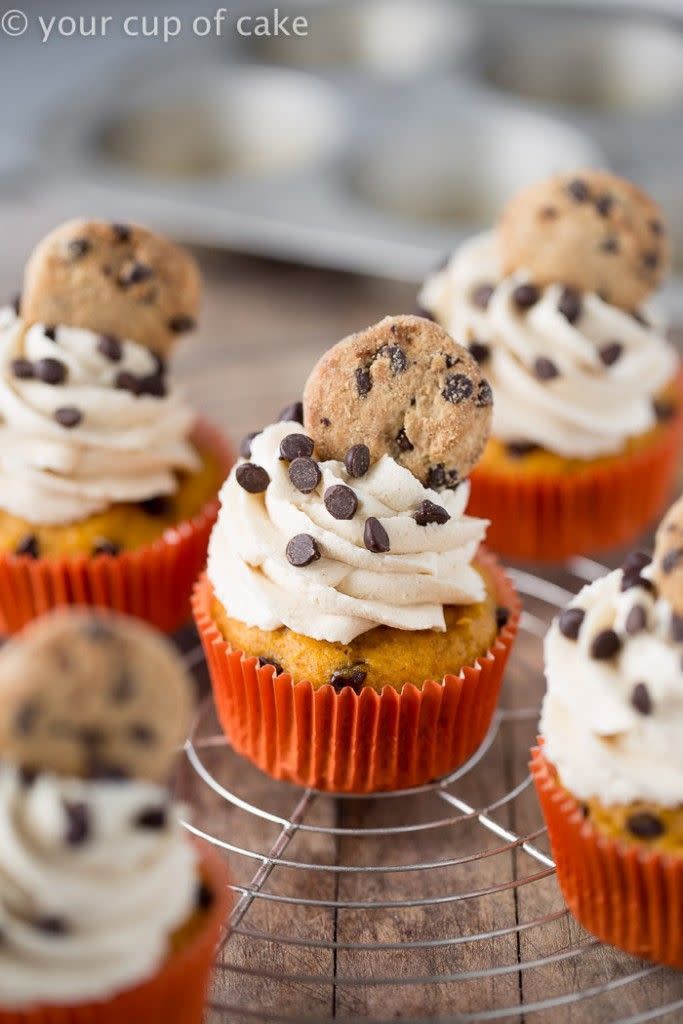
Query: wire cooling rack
437	903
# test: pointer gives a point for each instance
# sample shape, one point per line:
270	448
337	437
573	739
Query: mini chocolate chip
481	295
525	296
363	381
428	512
578	190
677	628
548	212
650	260
77	816
22	369
105	771
26	718
664	409
153	385
245	444
91	736
51	924
50	371
610	353
305	474
121	232
127	381
436	477
636	561
353	677
123	689
204	898
141	733
293	413
636	620
68	416
641	700
484	396
158	506
398	360
604	204
152	818
479	351
340	501
29	546
632	578
672	560
78	247
110	347
610	244
457	388
403	442
518	449
606	644
27	775
103	546
271	661
295	446
301	550
570	622
545	369
570	304
252	478
50	333
644	825
15	303
375	537
357	460
135	273
502	616
325	421
181	324
656	227
450	360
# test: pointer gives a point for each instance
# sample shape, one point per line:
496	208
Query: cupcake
109	911
609	767
108	482
587	421
356	635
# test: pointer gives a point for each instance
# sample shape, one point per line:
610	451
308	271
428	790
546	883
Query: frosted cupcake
356	638
587	420
108	910
107	481
609	771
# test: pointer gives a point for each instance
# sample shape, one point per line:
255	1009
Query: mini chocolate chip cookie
668	559
591	231
94	696
404	388
118	280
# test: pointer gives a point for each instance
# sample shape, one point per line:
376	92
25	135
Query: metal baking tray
395	129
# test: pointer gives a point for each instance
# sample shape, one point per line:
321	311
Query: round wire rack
437	903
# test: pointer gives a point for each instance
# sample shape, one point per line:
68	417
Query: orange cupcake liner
348	743
153	582
625	895
176	994
549	518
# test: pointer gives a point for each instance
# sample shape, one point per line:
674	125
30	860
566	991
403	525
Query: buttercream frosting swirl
84	920
350	589
613	726
125	447
596	402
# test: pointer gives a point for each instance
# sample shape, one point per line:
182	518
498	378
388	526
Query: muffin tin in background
395	129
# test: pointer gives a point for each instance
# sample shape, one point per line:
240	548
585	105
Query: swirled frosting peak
94	879
85	421
570	372
283	555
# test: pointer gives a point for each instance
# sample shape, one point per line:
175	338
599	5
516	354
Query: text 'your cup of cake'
356	634
108	481
588	413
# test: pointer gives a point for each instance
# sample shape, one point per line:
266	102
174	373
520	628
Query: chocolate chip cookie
119	280
404	388
591	231
93	696
668	560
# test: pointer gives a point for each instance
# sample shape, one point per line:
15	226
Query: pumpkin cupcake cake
355	634
588	412
109	911
609	768
108	483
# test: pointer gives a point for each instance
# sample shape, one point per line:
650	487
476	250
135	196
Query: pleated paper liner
177	993
625	895
153	582
343	742
598	508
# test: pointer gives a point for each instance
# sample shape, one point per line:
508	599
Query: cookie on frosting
668	560
115	279
94	696
404	388
590	230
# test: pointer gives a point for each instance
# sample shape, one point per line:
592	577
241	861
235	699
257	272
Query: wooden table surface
296	954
